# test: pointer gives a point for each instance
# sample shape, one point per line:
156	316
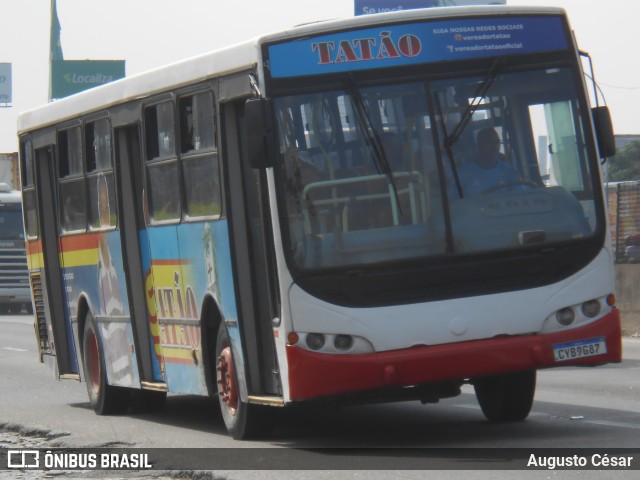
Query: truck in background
15	293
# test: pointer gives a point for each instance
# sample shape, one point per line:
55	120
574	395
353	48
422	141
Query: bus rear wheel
105	399
506	397
243	420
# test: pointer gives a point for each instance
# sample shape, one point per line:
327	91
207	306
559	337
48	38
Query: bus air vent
40	318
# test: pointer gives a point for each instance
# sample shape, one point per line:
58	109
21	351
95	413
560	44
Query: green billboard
73	76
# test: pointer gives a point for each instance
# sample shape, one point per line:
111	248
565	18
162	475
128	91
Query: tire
105	399
507	397
147	401
243	420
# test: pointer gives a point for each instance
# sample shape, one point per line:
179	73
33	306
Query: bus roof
228	60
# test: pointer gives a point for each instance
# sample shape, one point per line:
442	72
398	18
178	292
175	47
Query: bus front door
53	291
252	252
136	257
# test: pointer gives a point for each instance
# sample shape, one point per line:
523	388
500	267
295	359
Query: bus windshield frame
374	175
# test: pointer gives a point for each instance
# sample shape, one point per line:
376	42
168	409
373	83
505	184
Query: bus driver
488	169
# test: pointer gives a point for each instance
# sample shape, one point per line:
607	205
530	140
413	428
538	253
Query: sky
152	33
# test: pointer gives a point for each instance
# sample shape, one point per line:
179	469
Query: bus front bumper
315	375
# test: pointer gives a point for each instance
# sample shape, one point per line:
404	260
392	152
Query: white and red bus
289	219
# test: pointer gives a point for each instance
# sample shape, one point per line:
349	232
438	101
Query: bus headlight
591	308
565	316
315	341
335	343
578	314
343	342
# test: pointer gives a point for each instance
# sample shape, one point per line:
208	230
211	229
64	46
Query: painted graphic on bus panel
180	275
92	266
114	306
416	43
157	361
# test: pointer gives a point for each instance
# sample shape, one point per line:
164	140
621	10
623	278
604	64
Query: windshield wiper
447	145
372	137
451	139
481	92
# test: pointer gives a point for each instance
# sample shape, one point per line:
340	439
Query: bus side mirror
258	133
604	131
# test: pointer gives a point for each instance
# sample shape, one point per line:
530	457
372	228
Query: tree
625	165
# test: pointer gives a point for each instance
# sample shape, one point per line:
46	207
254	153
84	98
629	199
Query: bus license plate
580	349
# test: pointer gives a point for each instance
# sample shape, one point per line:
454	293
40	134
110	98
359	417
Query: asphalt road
595	408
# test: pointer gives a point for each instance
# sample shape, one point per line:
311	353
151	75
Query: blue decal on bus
416	43
368	7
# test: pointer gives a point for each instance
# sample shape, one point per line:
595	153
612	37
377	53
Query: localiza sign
73	76
5	83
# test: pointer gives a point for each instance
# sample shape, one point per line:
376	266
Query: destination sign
405	44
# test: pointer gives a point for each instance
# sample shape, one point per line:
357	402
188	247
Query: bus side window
73	214
102	198
199	156
162	163
29	196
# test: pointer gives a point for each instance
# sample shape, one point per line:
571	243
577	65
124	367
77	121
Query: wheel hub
94	361
226	377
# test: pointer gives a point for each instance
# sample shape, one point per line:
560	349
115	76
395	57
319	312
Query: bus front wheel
105	399
506	397
243	420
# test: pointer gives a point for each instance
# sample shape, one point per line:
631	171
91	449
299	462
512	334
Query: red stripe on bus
169	262
79	242
314	375
34	246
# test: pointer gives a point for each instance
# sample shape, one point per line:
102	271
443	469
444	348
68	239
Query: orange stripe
68	244
161	263
34	247
35	260
80	242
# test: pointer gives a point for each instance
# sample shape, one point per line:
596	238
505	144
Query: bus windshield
458	166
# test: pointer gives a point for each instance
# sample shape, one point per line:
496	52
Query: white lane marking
12	349
606	423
